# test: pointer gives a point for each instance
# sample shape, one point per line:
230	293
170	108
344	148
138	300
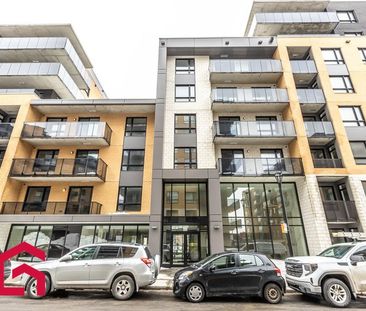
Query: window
363	54
185	157
359	151
185	123
57	119
129	199
89	119
135	127
249	261
133	160
36	199
85	253
332	56
129	252
185	93
341	84
346	17
172	197
352	116
224	262
353	34
184	66
107	252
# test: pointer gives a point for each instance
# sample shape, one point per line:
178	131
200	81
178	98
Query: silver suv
120	268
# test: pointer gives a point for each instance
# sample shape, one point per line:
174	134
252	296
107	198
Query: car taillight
146	261
278	271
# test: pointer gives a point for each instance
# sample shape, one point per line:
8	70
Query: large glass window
185	123
346	17
185	157
129	199
341	84
359	151
352	116
184	66
135	126
133	160
332	56
185	93
252	217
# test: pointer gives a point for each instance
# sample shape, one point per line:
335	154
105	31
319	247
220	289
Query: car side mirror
356	258
66	258
212	268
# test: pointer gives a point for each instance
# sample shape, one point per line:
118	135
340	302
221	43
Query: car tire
272	293
31	288
336	293
195	292
123	287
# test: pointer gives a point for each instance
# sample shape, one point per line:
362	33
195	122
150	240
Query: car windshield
337	251
204	261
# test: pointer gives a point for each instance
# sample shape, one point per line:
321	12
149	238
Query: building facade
254	143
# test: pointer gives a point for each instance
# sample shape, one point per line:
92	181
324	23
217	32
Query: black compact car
231	274
7	268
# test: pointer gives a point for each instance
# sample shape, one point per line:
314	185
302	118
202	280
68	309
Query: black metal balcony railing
51	208
5	130
67	130
327	163
254	128
260	167
79	167
340	211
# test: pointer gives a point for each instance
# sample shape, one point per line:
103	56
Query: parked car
122	268
230	274
338	274
7	268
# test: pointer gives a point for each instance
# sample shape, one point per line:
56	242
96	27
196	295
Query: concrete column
315	223
359	196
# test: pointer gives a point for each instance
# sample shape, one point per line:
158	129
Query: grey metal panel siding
337	70
131	178
185	140
356	133
185	79
134	142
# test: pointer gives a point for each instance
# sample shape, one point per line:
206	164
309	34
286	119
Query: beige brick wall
359	196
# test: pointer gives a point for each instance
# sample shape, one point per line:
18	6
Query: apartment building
260	141
76	166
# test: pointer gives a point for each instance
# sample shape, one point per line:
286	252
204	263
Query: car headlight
185	275
310	268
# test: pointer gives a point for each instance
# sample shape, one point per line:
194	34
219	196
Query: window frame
192	164
191	68
118	256
359	122
353	33
363	54
345	89
123	207
190	98
336	60
363	158
352	18
132	132
191	129
128	166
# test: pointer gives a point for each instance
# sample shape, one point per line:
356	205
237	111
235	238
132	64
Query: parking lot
160	300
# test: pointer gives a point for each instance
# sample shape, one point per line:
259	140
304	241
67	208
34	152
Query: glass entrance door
185	248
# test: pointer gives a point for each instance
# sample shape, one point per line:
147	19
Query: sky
121	37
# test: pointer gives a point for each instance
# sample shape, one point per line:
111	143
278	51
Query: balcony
253	132
5	132
272	24
328	163
49	208
311	100
73	170
249	100
260	167
304	71
319	132
67	133
344	212
245	70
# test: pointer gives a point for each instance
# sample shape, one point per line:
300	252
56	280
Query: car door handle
261	270
234	272
86	265
118	264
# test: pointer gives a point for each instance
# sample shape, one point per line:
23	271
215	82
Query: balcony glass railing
311	96
51	208
316	129
303	66
327	163
245	65
254	95
296	17
79	167
254	129
64	130
5	130
260	166
340	211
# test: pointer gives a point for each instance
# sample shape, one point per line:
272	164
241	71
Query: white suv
120	268
338	274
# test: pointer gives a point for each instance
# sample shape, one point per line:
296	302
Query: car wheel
195	292
336	293
31	288
272	293
123	287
